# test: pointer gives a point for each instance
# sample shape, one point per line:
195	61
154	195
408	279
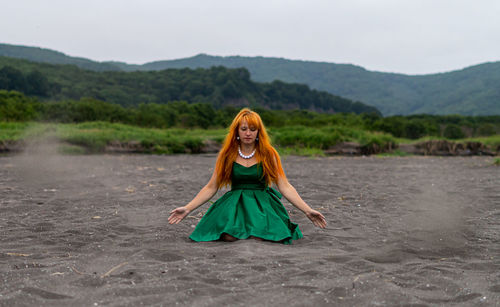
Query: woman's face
247	133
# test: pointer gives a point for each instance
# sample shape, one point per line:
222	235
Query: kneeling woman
252	209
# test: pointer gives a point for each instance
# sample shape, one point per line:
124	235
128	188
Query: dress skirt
249	209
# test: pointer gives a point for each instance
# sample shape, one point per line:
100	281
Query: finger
320	223
321	217
323	224
319	214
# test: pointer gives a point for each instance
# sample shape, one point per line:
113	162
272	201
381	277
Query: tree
37	84
453	131
12	79
14	106
414	129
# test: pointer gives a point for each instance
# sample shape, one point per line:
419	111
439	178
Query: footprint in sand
163	256
129	275
41	227
338	259
259	268
212	281
45	294
458	299
89	282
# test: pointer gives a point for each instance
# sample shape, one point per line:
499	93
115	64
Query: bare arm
205	194
294	198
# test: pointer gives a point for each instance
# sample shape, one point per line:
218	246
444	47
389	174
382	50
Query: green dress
250	209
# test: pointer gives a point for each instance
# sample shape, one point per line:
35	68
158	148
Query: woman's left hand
316	218
177	215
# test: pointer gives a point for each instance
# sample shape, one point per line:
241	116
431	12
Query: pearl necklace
243	156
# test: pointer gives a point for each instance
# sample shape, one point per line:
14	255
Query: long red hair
265	152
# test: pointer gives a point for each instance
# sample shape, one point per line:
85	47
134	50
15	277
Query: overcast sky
405	36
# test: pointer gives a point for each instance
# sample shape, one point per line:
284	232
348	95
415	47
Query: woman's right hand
316	218
177	215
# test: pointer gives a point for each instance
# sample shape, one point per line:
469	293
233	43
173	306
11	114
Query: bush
14	106
299	136
486	130
194	145
453	131
414	130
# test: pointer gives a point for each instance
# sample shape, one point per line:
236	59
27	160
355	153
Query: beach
91	230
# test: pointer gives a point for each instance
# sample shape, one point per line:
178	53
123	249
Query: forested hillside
218	86
470	91
42	55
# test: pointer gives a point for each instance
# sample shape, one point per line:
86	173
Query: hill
219	86
43	55
470	91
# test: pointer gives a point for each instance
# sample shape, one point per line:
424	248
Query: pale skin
248	137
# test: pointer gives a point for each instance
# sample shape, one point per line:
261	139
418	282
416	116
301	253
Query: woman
252	209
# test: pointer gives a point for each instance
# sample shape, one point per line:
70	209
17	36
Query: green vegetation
447	126
95	137
217	86
12	131
16	107
179	127
300	151
496	161
42	55
491	141
177	109
453	131
470	91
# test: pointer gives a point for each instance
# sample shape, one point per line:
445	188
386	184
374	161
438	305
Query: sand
92	231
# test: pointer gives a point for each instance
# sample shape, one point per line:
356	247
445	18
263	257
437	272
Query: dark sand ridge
92	230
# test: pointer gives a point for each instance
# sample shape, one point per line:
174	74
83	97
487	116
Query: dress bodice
247	177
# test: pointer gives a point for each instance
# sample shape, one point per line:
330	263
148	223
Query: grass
325	137
12	131
93	137
68	149
300	151
491	141
496	161
97	135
